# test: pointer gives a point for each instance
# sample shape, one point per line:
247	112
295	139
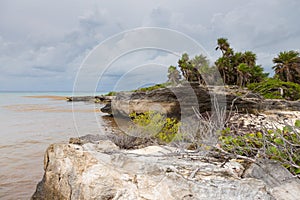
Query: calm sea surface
29	123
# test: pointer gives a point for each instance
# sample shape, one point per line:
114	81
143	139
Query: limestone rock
81	98
281	183
178	101
95	99
103	171
271	119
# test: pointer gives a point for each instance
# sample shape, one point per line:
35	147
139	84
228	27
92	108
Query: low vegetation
155	126
112	93
273	88
154	87
282	145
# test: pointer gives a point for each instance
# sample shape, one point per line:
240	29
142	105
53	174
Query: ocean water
29	123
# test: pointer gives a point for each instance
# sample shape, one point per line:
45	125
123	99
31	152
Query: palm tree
244	74
191	69
223	45
257	74
173	75
296	70
183	65
200	66
226	64
238	68
199	61
249	58
286	64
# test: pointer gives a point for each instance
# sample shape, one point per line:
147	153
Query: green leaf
297	171
259	135
287	129
251	135
273	150
297	123
278	141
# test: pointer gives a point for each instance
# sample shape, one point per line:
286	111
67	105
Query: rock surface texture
272	119
100	170
178	101
95	99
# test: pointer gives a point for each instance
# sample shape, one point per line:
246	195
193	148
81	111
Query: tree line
235	68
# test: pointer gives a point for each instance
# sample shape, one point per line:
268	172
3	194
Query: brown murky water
28	126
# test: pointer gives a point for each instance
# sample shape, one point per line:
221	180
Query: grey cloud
49	68
259	23
50	39
159	17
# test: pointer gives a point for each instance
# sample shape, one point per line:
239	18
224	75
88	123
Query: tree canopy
238	68
287	66
173	75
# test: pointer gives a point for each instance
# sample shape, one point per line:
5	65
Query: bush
270	89
154	87
153	125
112	93
282	145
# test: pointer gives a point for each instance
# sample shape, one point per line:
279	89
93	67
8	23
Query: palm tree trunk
288	74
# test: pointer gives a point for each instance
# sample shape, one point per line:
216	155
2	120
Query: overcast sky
43	43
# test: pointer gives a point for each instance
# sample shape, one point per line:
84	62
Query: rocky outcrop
81	98
95	99
176	101
280	104
280	183
268	120
171	101
100	170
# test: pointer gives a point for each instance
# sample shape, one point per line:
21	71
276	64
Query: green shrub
270	89
154	87
154	125
112	93
282	145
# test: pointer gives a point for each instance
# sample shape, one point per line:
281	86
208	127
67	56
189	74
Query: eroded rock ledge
100	170
182	100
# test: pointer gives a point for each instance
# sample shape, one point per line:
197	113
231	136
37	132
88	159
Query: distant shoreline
53	97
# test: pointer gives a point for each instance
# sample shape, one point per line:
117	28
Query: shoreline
52	97
30	125
102	147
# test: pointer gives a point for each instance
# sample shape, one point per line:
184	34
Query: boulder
100	170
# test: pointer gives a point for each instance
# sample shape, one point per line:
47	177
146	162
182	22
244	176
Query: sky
45	44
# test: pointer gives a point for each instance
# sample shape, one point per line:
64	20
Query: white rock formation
103	171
